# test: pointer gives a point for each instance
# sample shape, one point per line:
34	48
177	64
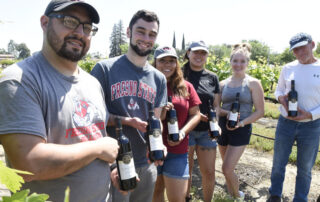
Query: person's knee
208	173
227	170
177	197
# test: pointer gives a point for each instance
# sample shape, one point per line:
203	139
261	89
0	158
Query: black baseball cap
58	5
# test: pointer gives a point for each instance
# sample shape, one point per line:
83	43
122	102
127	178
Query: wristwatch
241	124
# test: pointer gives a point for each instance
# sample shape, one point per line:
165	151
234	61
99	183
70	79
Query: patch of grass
259	143
222	197
266	145
271	110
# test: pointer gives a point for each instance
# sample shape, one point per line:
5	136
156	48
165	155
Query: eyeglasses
73	23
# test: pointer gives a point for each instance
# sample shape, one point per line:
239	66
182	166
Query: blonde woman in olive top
232	142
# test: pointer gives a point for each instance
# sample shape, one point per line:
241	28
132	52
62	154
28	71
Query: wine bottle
154	137
173	128
212	120
234	112
293	101
125	163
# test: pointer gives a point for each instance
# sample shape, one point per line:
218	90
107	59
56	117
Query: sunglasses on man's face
73	23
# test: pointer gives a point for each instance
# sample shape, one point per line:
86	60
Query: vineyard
268	74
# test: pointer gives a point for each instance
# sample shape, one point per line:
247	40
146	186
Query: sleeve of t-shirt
281	86
161	99
194	98
99	73
217	89
20	110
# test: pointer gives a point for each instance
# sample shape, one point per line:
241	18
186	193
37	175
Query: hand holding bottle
115	181
182	135
237	124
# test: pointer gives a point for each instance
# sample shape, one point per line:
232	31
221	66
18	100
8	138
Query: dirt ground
254	171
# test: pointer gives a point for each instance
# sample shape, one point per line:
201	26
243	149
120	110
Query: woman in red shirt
174	173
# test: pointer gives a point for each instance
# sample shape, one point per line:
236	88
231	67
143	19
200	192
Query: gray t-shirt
128	89
38	100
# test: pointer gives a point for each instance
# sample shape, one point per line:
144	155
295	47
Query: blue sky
214	21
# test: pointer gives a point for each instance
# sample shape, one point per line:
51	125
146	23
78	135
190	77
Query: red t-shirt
182	106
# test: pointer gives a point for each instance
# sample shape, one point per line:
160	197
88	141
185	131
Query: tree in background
12	48
117	38
286	56
183	46
174	40
20	51
3	51
23	50
220	51
317	51
259	50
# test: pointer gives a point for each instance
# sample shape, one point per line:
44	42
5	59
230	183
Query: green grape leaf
67	194
10	178
17	197
34	197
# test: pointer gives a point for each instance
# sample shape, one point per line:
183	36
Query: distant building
6	57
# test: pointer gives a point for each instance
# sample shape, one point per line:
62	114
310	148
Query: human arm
280	92
218	101
50	161
258	103
134	122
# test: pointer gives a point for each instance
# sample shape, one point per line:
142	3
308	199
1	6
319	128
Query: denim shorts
201	138
175	166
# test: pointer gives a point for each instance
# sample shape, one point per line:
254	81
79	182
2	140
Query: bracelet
241	124
113	166
183	134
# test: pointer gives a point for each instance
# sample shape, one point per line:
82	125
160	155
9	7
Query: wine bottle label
126	168
293	106
233	116
156	140
214	126
173	128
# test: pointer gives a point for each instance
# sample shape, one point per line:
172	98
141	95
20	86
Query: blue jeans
307	136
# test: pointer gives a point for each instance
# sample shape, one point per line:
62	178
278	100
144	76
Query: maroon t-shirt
182	106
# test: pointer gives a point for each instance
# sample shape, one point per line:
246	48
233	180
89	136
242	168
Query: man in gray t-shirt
130	83
53	114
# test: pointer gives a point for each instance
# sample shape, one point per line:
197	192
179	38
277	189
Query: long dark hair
186	67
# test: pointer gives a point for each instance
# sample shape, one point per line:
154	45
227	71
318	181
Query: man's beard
73	55
139	51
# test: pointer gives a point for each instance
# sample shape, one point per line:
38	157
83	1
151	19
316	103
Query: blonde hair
242	48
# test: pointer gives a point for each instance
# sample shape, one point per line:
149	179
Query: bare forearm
113	117
50	161
253	117
56	161
191	123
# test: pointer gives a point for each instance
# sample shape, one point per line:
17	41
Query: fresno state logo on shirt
83	113
88	120
133	105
